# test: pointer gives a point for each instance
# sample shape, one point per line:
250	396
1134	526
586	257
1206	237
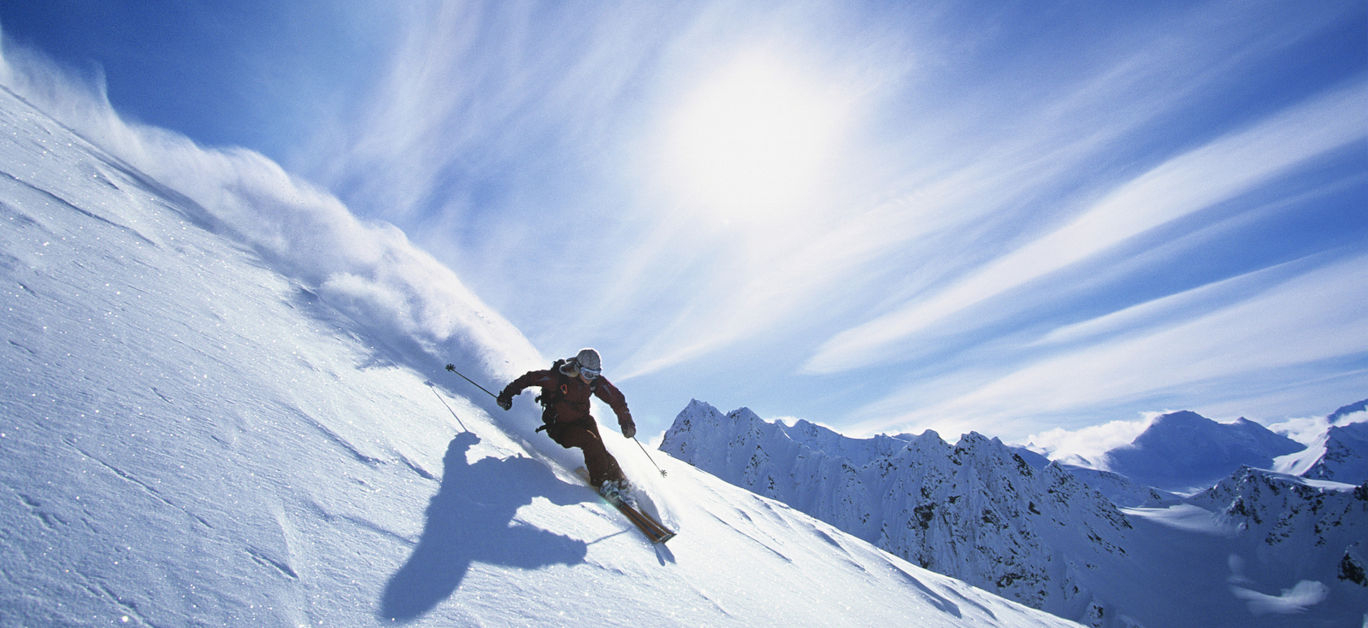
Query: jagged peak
697	405
973	441
745	414
810	427
929	436
972	438
695	410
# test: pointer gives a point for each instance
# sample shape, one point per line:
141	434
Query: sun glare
753	143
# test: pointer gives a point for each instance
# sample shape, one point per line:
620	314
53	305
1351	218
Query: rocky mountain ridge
1085	544
974	510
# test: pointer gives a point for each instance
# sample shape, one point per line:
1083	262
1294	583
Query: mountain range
1256	547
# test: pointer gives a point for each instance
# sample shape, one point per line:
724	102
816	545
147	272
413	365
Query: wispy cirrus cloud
1186	184
472	89
979	186
963	194
935	183
1309	318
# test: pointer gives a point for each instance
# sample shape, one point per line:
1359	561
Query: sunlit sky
883	217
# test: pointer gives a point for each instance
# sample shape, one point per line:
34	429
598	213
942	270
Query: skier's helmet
589	363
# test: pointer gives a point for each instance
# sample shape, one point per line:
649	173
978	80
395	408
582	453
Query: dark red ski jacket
571	395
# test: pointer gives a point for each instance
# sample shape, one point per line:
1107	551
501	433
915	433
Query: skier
566	388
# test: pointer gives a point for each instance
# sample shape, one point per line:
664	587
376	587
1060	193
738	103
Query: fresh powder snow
210	421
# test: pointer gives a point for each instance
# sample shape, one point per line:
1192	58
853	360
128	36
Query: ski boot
617	491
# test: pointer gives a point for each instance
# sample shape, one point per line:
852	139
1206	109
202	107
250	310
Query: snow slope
1340	454
1259	549
223	404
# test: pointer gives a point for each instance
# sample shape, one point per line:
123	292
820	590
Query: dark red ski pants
584	434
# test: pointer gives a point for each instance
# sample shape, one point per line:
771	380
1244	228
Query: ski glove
628	430
504	400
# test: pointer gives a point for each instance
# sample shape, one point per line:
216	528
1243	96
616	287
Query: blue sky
1006	217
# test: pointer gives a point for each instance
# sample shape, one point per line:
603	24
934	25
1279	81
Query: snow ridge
1340	454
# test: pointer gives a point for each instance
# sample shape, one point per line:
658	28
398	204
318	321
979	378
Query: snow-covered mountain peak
974	439
698	406
1168	430
1182	419
976	443
1182	451
1039	532
743	415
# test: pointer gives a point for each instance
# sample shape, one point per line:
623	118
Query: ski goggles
590	373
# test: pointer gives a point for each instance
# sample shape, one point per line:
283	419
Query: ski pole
648	457
452	368
448	407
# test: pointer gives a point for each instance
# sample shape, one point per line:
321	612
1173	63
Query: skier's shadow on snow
471	519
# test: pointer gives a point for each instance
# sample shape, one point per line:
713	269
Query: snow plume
1352	413
1308	430
1089	443
1305	594
368	270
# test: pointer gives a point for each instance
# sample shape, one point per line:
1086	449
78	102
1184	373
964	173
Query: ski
655	532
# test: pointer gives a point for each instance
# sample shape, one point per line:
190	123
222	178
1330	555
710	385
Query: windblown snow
224	404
